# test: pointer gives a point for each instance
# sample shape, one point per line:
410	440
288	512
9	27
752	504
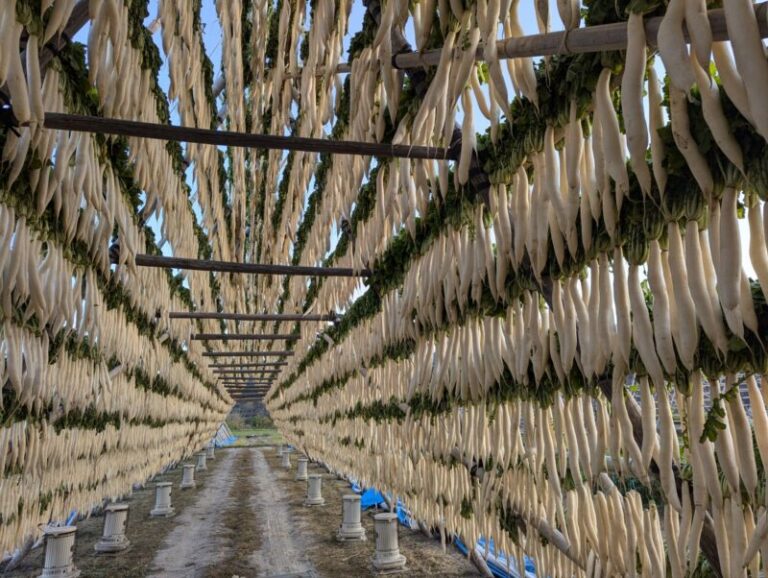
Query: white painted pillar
163	506
113	537
188	477
351	528
201	465
286	461
301	469
279	450
211	451
315	491
388	556
59	541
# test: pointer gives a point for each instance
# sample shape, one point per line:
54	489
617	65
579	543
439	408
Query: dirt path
246	518
281	552
197	540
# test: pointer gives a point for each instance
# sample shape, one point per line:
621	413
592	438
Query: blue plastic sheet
371	498
497	561
227	442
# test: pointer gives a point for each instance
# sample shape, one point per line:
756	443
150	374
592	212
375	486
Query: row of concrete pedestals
59	540
387	557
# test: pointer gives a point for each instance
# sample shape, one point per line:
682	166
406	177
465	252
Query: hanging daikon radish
731	79
687	338
468	138
569	13
698	262
632	100
657	122
672	47
667	456
613	151
623	343
729	272
697	24
758	250
718	124
748	50
661	318
742	434
681	131
642	331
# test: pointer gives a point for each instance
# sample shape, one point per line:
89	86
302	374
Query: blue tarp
371	498
497	562
227	442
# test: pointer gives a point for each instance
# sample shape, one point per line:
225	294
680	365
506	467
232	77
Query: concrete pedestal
315	491
280	450
59	541
210	451
388	557
351	528
201	465
188	477
113	537
286	461
163	508
301	469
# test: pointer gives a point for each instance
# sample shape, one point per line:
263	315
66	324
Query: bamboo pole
163	262
242	336
130	128
250	317
247	353
245	365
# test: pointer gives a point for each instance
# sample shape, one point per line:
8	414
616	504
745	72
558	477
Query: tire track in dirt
242	532
280	553
197	542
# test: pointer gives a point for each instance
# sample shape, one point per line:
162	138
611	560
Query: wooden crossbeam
255	317
163	262
130	128
244	373
242	336
215	366
247	353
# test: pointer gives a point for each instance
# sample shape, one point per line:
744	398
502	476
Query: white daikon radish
672	47
744	34
681	131
632	100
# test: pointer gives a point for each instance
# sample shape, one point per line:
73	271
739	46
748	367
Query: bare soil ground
246	518
317	528
145	533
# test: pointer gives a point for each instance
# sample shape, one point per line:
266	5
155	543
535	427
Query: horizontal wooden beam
215	366
165	132
254	317
244	373
247	353
254	371
163	262
242	336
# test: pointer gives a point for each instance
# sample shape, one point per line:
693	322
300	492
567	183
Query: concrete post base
188	477
163	508
211	451
58	553
113	538
388	557
286	461
351	528
314	491
301	469
201	465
